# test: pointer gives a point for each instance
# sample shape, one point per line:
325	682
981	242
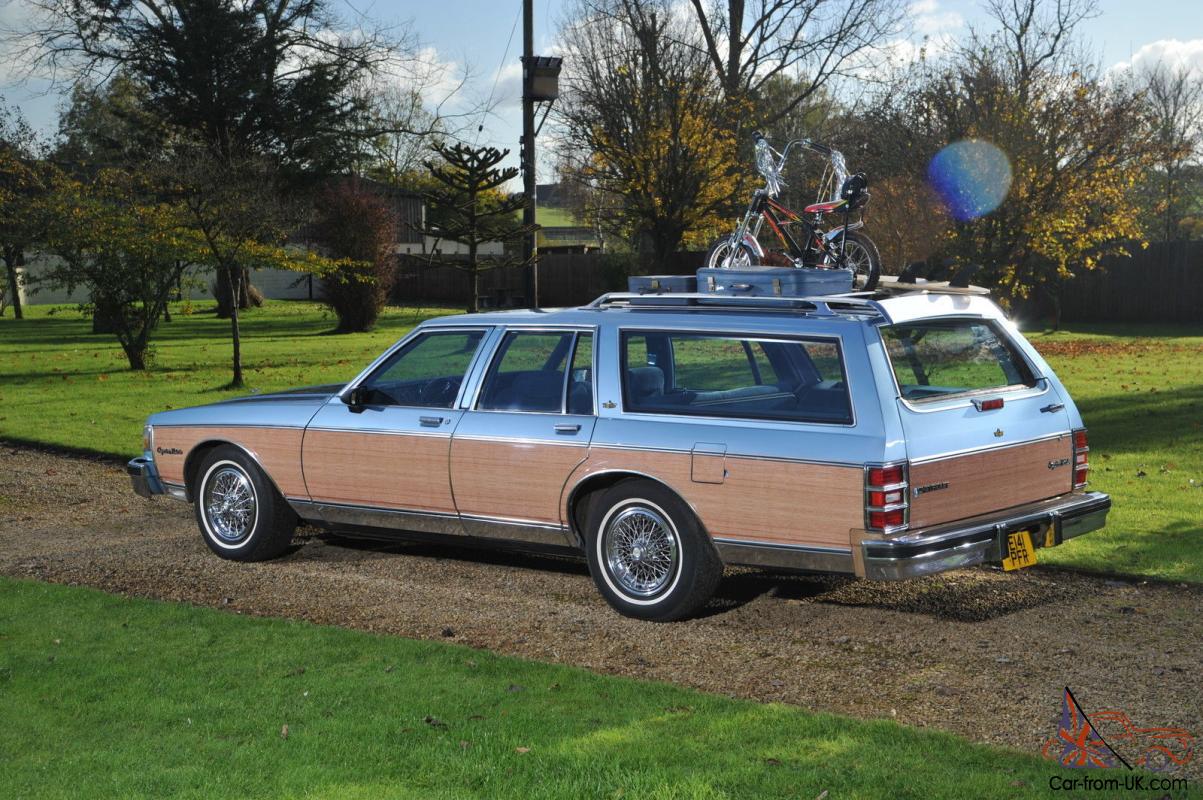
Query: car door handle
567	427
431	422
1052	408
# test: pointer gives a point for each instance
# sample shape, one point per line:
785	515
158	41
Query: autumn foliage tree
641	114
356	228
1071	143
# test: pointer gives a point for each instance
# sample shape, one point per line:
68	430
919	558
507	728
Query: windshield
937	359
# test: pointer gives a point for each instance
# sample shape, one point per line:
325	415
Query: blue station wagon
662	437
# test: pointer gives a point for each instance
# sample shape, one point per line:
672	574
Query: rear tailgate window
968	460
944	358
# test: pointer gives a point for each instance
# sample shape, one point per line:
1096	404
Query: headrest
646	381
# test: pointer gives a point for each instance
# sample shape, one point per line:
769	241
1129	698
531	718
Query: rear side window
528	373
713	375
938	359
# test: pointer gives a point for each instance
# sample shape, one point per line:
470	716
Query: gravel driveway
976	652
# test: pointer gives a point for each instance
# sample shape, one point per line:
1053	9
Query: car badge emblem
998	433
609	404
1060	462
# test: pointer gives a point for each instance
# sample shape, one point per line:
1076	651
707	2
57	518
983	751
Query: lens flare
971	176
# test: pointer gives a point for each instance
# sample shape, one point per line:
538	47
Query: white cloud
1174	54
929	20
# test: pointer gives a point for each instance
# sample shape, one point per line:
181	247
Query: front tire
721	255
240	514
648	554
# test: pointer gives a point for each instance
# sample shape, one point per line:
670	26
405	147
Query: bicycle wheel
722	256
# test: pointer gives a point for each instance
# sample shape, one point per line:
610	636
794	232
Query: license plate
1019	553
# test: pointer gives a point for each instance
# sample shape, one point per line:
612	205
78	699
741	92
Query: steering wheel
439	392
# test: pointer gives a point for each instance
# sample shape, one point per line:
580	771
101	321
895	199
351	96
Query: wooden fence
1162	283
564	279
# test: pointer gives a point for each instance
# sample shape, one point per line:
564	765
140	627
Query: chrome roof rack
853	303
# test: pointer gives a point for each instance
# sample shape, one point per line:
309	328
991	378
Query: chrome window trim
990	449
727	333
424	330
502	332
958	400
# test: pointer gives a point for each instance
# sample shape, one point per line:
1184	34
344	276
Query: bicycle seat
823	208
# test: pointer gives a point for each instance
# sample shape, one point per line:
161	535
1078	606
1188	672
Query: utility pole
529	244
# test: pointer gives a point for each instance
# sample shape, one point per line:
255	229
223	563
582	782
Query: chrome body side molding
784	556
478	527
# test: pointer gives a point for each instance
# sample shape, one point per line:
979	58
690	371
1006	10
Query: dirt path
979	653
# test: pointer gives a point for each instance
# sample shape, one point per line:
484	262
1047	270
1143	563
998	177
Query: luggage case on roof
774	281
660	284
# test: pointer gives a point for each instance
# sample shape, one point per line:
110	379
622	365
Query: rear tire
648	554
720	255
862	257
240	514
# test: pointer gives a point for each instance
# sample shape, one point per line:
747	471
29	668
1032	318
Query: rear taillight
1081	462
886	506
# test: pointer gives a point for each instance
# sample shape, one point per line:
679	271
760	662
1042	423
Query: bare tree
1175	102
750	42
642	121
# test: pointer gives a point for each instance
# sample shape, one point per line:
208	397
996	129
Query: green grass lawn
106	696
62	385
1140	389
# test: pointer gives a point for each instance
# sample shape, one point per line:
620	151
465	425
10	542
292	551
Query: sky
472	38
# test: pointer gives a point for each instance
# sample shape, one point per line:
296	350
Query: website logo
1109	738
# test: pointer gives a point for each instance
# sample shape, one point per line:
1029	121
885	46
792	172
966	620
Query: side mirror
354	400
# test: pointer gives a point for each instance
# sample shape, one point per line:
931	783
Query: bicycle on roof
806	242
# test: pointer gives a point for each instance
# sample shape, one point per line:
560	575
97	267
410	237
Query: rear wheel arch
591	487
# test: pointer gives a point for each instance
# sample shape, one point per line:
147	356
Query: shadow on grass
1137	422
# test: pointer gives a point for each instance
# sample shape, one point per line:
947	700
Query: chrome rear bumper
981	539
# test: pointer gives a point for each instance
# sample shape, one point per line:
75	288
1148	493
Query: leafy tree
643	121
112	125
111	236
466	206
267	77
236	208
357	227
1074	144
24	178
248	81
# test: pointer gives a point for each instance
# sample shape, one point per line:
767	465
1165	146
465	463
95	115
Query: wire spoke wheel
641	551
229	503
857	259
724	254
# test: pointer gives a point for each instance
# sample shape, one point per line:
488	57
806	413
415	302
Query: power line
497	76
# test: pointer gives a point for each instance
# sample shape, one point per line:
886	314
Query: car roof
693	312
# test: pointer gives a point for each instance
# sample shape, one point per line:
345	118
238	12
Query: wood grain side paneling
990	480
773	501
278	450
381	470
514	480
